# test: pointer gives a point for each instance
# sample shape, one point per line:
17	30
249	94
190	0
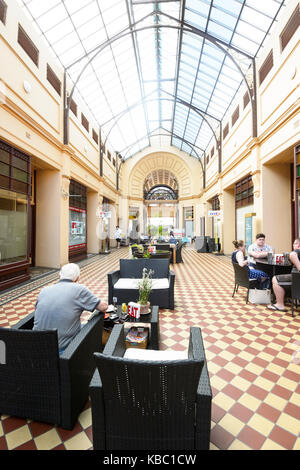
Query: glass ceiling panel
133	74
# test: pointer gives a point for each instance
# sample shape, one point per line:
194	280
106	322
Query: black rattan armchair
133	268
241	278
37	383
143	405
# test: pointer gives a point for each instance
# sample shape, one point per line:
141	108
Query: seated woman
238	256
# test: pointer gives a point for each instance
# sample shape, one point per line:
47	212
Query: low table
273	269
151	321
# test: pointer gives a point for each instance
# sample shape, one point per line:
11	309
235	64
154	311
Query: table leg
174	255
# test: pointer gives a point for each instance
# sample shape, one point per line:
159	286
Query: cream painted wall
228	220
136	169
52	215
93	243
276	205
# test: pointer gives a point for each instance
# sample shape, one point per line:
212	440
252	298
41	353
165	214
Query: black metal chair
241	278
295	291
145	404
37	383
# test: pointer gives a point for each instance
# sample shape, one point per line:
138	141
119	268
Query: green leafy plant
145	286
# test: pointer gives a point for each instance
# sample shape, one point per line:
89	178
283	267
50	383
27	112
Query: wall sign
215	213
249	229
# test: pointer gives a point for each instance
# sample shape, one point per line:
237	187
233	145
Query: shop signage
215	213
178	233
76	247
103	214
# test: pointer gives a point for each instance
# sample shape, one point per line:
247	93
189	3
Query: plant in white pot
145	287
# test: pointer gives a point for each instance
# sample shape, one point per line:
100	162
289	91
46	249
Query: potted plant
145	287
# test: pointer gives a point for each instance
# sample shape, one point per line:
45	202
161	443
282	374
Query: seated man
282	282
172	239
258	249
60	306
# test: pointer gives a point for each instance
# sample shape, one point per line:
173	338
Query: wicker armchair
37	383
133	269
241	278
147	405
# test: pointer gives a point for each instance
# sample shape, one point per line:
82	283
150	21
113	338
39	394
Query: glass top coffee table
149	320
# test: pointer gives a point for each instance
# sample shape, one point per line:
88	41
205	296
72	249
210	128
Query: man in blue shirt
60	306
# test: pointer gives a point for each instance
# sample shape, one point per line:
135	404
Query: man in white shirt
258	249
118	235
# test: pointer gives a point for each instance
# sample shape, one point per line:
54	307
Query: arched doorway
161	197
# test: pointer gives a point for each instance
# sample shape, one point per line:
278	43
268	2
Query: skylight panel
38	8
89	41
267	7
233	6
195	19
74	6
115	13
70	55
60	31
52	17
90	27
65	43
244	44
221	17
85	14
116	26
219	31
140	11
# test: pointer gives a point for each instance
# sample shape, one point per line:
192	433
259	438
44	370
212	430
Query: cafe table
272	268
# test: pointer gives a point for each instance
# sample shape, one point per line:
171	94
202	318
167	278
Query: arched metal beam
184	103
128	31
176	136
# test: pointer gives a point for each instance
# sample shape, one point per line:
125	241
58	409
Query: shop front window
14	226
77	220
77	228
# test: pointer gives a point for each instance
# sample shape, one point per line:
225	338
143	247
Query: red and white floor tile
252	354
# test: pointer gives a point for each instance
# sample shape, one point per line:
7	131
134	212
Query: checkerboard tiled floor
251	352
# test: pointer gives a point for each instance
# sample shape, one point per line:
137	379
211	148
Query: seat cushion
129	283
152	355
126	283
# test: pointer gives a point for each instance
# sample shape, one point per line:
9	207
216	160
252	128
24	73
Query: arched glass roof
146	62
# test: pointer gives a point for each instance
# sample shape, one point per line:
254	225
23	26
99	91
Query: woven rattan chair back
30	379
241	275
149	405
